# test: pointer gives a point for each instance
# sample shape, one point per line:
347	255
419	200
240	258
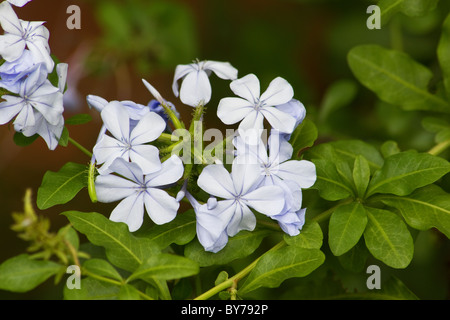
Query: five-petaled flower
195	86
137	190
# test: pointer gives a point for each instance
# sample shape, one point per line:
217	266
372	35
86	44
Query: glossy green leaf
412	8
102	268
22	274
62	186
123	249
329	183
93	289
276	266
404	172
340	94
395	77
423	209
443	52
310	237
303	136
23	141
179	231
361	175
346	226
128	292
78	119
387	238
165	267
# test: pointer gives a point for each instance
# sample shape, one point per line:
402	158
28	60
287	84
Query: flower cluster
35	104
263	178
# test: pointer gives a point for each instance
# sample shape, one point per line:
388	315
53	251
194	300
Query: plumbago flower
276	168
240	192
195	86
137	190
252	106
19	3
39	105
21	35
128	143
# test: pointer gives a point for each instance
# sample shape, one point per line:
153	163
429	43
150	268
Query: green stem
439	148
80	147
232	282
173	117
167	138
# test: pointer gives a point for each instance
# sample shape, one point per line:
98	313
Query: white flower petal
268	200
251	128
130	211
161	207
171	171
278	92
216	180
19	3
10	108
233	110
245	175
223	70
181	71
128	170
153	91
195	89
302	172
11	47
148	129
96	102
111	188
247	87
107	148
279	148
9	21
243	219
61	71
279	120
116	120
147	157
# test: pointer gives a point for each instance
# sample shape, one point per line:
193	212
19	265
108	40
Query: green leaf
128	292
346	226
64	139
330	184
439	126
22	274
412	8
404	172
239	246
123	249
423	209
389	148
303	136
62	186
361	175
310	237
388	239
276	266
93	289
395	78
443	52
340	94
165	267
355	259
79	119
179	231
102	268
23	141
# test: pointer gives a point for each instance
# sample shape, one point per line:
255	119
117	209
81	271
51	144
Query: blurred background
305	42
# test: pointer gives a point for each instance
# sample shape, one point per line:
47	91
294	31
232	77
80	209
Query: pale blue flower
239	193
137	191
195	87
252	107
126	142
20	35
210	225
12	73
36	95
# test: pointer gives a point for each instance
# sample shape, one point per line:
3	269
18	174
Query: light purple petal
147	157
251	128
247	87
223	70
111	188
243	219
268	200
19	3
171	171
233	110
96	102
148	129
9	21
116	120
216	180
11	47
245	175
279	120
278	92
302	172
279	148
130	211
181	71
195	89
294	108
161	207
129	170
10	108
